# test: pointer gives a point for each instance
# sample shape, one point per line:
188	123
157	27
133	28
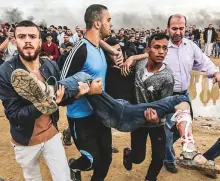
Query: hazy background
125	13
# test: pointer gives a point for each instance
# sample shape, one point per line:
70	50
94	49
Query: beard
177	38
29	57
104	33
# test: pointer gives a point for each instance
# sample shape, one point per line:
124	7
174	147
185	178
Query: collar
184	42
161	68
90	42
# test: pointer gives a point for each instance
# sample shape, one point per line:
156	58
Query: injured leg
190	157
39	93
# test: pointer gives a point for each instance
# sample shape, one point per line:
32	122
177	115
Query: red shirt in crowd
51	49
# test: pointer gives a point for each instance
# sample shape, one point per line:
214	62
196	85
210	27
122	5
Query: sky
124	12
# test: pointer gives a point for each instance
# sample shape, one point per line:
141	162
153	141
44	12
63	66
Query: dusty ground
205	136
206	132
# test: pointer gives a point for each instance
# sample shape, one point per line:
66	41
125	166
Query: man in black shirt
141	46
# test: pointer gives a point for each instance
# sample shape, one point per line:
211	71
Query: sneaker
210	175
114	150
171	167
67	137
127	159
39	93
75	174
1	179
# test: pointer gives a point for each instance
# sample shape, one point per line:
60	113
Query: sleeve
75	60
14	110
203	63
56	53
42	47
20	114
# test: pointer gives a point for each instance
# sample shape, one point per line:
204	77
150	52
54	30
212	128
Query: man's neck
49	43
93	37
32	66
153	67
177	43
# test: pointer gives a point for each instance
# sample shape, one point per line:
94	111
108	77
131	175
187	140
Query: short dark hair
27	23
49	34
112	41
69	44
178	16
66	34
93	13
157	36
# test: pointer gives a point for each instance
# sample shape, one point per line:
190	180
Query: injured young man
115	113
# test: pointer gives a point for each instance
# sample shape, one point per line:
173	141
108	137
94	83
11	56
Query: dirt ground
205	136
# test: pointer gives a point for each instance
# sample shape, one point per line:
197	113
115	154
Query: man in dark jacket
196	35
209	38
33	132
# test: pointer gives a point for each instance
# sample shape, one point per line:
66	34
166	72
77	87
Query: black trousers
213	152
94	141
158	143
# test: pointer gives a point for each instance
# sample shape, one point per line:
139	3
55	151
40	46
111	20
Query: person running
91	138
183	56
120	114
34	133
153	81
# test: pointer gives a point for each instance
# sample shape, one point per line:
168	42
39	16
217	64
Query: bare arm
108	48
4	45
125	71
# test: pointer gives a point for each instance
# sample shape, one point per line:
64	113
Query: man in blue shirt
91	138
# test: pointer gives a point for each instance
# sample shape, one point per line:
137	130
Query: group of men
164	70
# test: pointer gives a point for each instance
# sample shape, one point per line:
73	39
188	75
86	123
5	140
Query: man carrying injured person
118	114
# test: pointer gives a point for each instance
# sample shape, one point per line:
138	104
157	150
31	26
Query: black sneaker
67	137
127	159
114	150
171	167
75	174
210	175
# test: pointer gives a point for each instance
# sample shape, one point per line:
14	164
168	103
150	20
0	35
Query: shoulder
79	47
54	44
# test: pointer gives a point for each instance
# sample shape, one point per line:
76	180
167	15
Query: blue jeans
117	113
217	49
213	152
171	136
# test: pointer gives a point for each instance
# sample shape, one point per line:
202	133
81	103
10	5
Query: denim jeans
118	113
213	152
171	136
217	49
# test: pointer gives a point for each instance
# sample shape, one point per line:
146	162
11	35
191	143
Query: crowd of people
133	80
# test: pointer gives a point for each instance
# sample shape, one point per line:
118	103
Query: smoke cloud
47	16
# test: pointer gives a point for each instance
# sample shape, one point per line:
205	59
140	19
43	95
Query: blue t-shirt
90	59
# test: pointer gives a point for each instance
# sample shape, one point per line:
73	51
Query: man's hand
151	115
60	93
119	61
126	67
10	35
217	78
51	57
83	89
96	87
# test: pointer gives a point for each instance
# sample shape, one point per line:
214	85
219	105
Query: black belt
180	93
